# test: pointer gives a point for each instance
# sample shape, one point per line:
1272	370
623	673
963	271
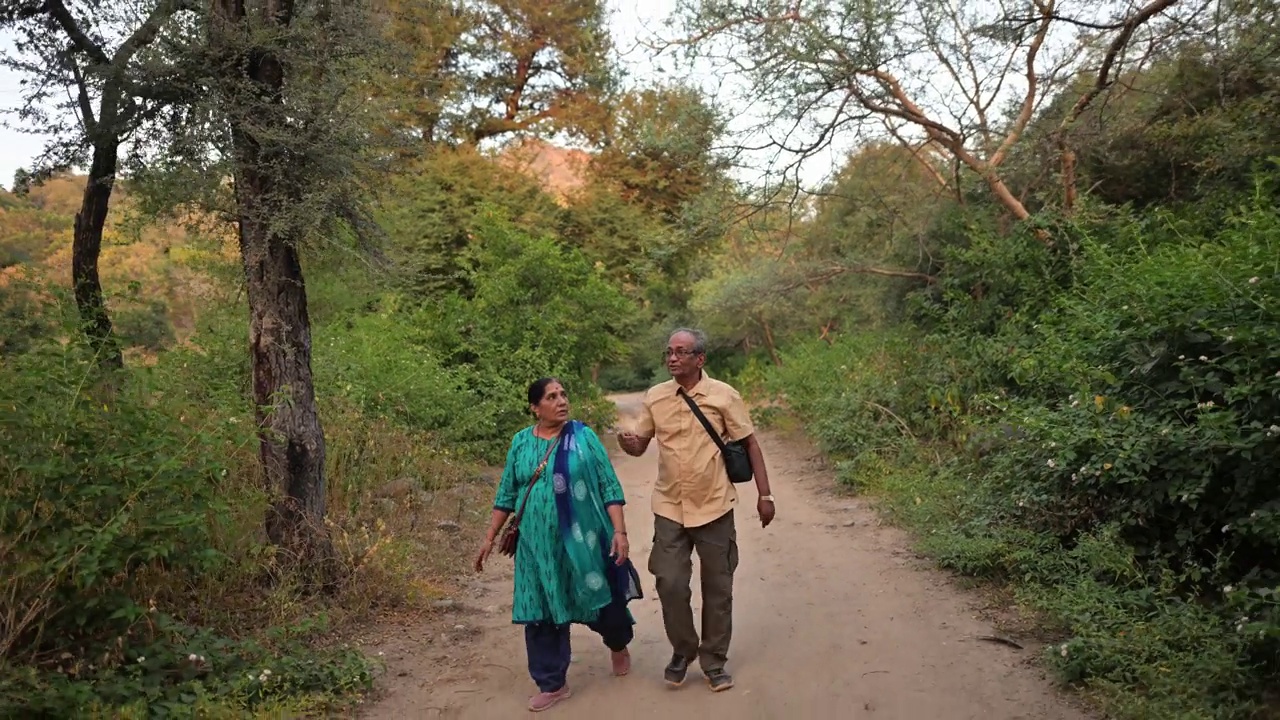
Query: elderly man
693	504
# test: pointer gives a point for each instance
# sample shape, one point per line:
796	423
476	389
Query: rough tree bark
86	248
292	442
103	131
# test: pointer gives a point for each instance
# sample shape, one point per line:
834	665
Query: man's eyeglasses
681	353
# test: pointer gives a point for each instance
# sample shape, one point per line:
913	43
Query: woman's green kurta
542	573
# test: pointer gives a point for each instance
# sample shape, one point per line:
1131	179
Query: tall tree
89	87
282	114
282	78
658	149
471	70
960	79
657	193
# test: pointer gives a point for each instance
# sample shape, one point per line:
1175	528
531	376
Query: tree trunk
292	445
768	339
86	246
1068	176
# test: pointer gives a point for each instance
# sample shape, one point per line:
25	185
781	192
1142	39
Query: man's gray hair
699	339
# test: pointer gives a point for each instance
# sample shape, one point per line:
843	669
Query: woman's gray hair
699	339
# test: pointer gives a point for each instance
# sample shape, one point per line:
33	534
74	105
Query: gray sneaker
676	670
719	680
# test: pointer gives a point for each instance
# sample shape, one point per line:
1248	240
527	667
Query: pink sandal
544	700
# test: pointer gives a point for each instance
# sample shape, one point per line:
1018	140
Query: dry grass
403	516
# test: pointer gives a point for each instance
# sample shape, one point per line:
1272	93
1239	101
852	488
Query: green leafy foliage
430	209
110	506
1096	427
183	671
526	306
538	309
86	504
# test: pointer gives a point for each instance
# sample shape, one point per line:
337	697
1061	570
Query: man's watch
767	497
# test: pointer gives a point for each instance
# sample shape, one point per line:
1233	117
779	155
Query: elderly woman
572	560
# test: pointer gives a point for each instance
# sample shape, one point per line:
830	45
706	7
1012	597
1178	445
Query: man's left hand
766	509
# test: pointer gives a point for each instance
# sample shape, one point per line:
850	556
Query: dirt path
834	618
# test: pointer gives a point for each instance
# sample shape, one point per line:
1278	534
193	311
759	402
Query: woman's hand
621	548
486	547
496	521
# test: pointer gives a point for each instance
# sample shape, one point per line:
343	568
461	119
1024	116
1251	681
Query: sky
630	21
16	149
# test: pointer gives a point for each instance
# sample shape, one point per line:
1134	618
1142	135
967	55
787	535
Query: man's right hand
631	443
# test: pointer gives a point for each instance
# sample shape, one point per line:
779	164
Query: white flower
1230	338
1253	280
1063	650
1075	403
193	657
1204	359
141	659
1052	464
1229	588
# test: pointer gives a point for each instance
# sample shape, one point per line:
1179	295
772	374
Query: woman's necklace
543	433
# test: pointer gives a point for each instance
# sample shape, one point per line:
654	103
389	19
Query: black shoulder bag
734	453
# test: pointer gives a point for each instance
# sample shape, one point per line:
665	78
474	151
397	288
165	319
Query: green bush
1163	372
461	363
118	491
1096	425
144	324
95	489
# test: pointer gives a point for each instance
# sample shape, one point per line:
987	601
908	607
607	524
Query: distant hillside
561	170
151	274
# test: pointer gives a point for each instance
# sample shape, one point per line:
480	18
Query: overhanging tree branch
1033	79
59	12
1103	81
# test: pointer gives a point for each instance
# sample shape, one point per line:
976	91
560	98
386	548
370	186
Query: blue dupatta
585	528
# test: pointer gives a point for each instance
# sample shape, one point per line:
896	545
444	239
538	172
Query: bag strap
536	474
703	419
